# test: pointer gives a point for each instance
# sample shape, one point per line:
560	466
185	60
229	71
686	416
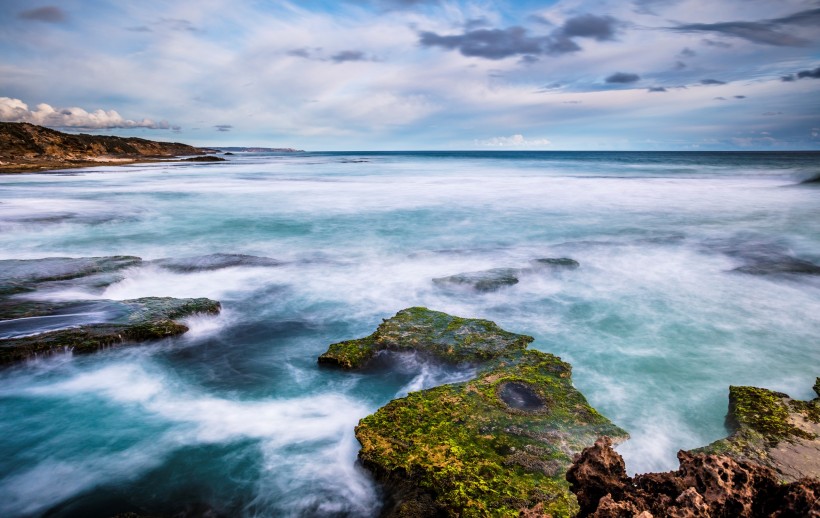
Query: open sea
236	418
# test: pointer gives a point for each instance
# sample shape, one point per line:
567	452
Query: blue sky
420	74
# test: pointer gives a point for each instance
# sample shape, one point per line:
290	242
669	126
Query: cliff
27	147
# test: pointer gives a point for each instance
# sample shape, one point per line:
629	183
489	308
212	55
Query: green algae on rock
491	446
439	335
142	319
771	429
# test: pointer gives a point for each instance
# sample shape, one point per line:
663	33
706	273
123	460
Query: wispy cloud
513	141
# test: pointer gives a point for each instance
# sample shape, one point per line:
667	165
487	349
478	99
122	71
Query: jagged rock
142	319
485	447
774	430
214	262
482	281
705	486
432	333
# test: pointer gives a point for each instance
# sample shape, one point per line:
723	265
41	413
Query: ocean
683	289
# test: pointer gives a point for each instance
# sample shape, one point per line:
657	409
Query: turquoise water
236	416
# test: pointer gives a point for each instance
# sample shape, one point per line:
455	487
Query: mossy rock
144	319
476	453
433	333
772	429
491	446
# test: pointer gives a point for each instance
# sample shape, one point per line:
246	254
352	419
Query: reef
484	281
491	446
213	262
705	486
144	319
38	327
771	429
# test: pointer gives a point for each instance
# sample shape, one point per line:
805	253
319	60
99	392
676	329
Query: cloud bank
15	110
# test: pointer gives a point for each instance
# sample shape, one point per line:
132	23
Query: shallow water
236	415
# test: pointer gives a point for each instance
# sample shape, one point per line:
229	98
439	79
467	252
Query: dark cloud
516	41
601	28
766	32
788	79
488	43
720	98
740	97
771	114
622	78
687	53
718	44
529	59
656	89
50	14
712	82
680	65
349	55
223	127
814	74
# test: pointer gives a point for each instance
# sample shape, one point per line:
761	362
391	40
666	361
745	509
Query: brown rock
704	486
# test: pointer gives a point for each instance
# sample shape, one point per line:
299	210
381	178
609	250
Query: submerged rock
763	257
771	429
214	262
482	281
485	447
705	485
556	262
141	319
494	279
432	333
24	275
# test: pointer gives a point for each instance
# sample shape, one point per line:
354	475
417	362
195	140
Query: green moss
762	411
445	337
477	455
759	420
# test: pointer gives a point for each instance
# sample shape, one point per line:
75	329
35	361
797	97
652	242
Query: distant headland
26	148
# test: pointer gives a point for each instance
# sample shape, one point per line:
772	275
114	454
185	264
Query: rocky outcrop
704	486
30	328
431	333
144	319
485	447
27	147
771	429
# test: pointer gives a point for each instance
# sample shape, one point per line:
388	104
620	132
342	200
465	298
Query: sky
420	74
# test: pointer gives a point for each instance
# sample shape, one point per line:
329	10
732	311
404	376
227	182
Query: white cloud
15	110
513	141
